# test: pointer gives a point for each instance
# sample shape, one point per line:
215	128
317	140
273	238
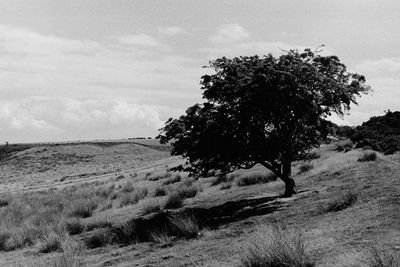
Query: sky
96	69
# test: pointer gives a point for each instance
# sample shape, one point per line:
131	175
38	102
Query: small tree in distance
263	110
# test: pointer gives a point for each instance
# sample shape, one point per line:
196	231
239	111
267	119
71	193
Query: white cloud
138	39
54	118
79	75
171	31
229	33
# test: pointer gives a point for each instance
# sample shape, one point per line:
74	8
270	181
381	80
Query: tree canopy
263	110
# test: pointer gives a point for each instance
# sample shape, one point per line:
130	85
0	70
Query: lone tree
263	110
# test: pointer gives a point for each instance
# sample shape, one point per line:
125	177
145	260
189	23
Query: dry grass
275	247
377	258
340	203
185	226
51	242
150	206
174	201
175	179
255	178
161	191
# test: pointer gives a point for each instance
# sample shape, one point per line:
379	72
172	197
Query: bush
255	178
275	247
368	156
175	179
342	202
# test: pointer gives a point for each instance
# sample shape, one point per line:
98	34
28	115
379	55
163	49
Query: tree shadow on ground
232	211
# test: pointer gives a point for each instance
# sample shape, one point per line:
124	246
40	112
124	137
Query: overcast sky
119	68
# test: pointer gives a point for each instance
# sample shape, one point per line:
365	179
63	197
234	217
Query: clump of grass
379	259
161	191
147	175
185	226
255	178
305	167
74	226
50	242
341	203
167	174
175	179
105	205
174	201
275	246
225	178
98	223
65	260
187	191
99	238
162	238
4	202
3	240
368	156
105	191
83	208
150	206
132	198
127	187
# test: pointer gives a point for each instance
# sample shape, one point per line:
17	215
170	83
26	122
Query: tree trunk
287	179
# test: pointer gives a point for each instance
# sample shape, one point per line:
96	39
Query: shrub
174	201
275	247
255	178
342	202
379	259
175	179
368	156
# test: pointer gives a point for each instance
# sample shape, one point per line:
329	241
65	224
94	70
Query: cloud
52	118
138	39
229	33
113	87
171	31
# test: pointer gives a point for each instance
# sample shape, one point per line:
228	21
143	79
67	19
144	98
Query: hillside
126	187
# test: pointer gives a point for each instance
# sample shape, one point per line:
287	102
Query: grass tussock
379	259
132	198
150	206
368	156
167	174
174	201
186	226
255	178
340	203
228	178
275	247
83	208
174	179
161	191
74	226
51	242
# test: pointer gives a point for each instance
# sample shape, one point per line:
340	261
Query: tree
263	110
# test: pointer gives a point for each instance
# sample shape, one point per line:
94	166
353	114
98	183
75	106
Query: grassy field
119	204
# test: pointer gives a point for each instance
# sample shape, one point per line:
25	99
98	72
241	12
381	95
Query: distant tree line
381	133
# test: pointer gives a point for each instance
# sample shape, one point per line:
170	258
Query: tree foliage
263	110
